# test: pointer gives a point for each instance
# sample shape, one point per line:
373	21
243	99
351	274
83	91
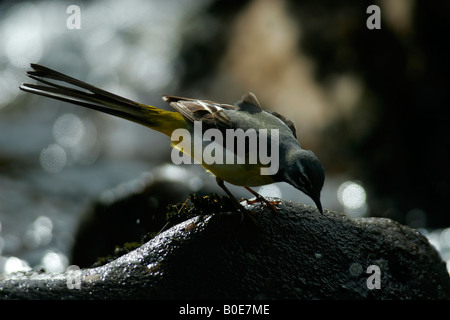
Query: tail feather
89	96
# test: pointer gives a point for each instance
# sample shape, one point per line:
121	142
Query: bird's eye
304	181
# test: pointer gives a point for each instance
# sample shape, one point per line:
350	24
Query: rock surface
295	253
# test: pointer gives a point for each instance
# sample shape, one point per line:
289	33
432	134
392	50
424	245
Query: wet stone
295	253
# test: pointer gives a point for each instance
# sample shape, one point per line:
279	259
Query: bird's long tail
89	96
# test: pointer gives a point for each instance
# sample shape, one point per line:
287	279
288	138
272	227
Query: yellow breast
247	175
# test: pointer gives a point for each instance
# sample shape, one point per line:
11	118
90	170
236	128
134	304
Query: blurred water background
369	103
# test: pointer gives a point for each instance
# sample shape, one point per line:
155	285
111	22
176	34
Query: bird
298	167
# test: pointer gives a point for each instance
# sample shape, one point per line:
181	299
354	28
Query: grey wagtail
296	166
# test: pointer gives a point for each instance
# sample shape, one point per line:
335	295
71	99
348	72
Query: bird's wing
289	123
210	113
250	104
214	115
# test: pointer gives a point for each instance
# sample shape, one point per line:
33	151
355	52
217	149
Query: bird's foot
270	204
261	199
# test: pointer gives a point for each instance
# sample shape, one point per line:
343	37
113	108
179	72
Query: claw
270	204
261	199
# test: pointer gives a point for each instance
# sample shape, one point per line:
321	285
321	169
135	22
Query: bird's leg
244	212
260	198
221	184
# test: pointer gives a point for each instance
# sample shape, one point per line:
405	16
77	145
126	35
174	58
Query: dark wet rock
129	211
295	253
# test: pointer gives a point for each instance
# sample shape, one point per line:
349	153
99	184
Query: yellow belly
247	175
239	174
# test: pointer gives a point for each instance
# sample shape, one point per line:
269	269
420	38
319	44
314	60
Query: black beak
318	203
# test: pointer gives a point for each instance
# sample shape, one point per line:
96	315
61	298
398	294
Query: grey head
304	171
